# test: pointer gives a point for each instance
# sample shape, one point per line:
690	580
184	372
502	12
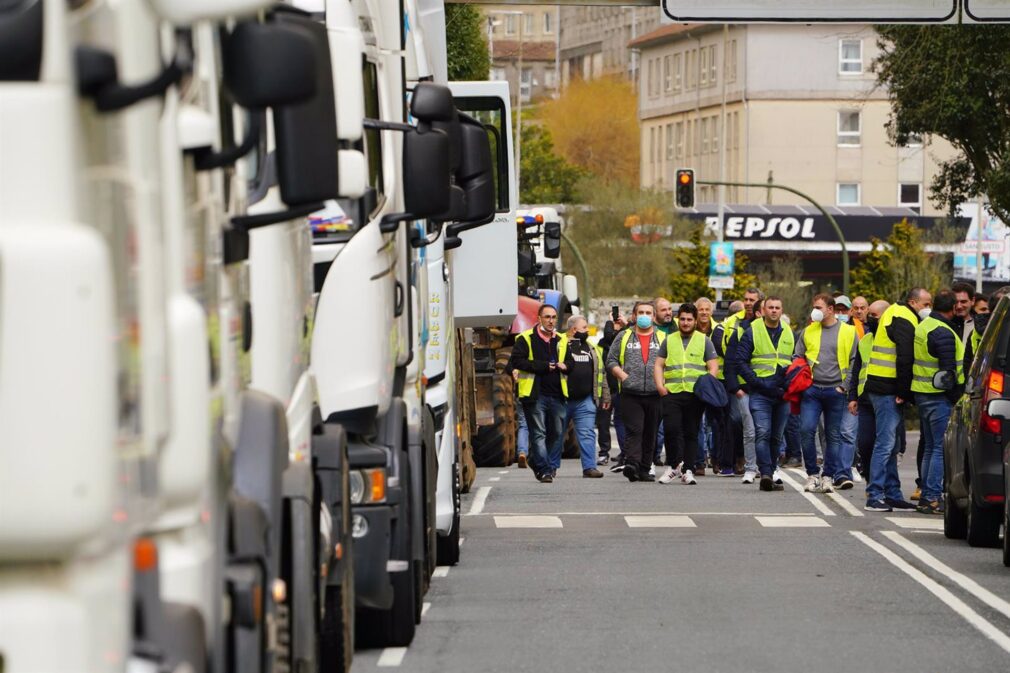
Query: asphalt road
605	575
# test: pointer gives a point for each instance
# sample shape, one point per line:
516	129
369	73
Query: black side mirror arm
248	222
207	159
452	231
98	79
391	222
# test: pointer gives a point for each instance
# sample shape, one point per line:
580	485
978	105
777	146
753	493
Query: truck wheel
338	630
955	526
448	546
495	445
983	524
393	627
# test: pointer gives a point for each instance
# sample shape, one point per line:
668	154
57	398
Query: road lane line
953	602
662	521
494	479
792	522
441	571
844	503
963	581
503	471
479	500
392	656
424	608
818	505
917	522
461	540
527	521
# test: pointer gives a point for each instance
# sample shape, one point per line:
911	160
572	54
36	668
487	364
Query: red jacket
798	378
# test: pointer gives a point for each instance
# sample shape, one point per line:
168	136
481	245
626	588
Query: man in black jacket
603	416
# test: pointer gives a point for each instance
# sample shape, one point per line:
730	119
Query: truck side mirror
999	408
943	380
476	172
432	103
268	64
552	240
426	190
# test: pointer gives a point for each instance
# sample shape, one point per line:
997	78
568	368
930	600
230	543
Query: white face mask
843	317
924	313
817	315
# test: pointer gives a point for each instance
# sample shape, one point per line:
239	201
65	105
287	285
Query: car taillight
993	390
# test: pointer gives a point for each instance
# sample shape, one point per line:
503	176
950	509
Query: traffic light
685	188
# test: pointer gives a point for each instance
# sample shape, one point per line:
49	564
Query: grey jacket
640	380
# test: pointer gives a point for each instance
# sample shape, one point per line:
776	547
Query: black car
975	442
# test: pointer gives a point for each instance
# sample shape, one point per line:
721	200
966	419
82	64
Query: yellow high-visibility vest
846	339
865	346
925	365
526	379
767	357
884	356
684	366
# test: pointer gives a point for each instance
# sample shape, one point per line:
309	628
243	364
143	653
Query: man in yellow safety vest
538	355
859	401
736	387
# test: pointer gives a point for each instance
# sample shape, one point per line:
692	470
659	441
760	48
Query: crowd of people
754	393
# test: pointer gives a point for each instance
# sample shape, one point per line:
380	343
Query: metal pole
722	146
584	294
831	220
519	109
978	246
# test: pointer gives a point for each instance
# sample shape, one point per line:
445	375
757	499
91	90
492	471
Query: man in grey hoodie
631	360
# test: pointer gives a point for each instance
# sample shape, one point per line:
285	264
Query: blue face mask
644	321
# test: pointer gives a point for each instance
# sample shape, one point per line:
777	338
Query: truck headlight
368	486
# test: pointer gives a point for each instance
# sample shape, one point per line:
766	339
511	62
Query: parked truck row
243	247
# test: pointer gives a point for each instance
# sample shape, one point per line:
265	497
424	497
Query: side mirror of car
943	380
268	64
552	240
426	188
999	408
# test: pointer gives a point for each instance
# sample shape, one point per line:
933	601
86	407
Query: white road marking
844	503
479	500
494	479
461	540
818	505
441	571
792	522
392	656
919	522
963	581
662	521
424	608
503	471
527	522
931	585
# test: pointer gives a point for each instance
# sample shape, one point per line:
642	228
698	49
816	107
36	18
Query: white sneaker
748	477
812	484
688	478
826	486
856	477
652	470
777	476
670	475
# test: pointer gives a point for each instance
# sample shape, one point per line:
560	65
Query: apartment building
594	40
526	34
802	107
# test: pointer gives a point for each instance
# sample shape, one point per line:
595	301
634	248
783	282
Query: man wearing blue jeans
938	348
888	383
829	346
582	382
762	356
536	355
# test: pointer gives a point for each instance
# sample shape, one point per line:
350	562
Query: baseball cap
843	300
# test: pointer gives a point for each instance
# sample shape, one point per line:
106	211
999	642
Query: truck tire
983	523
447	547
495	445
955	526
338	629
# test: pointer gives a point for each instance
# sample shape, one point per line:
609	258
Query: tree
465	44
783	277
951	81
594	125
689	278
895	266
547	178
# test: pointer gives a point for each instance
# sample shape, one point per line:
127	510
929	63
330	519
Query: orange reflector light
145	555
280	591
377	482
338	551
996	381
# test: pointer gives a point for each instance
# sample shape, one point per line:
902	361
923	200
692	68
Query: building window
678	75
910	195
652	146
850	57
511	24
669	142
550	78
849	124
498	74
690	57
526	84
704	136
914	140
703	69
667	74
731	61
528	27
715	134
712	72
678	150
848	194
548	23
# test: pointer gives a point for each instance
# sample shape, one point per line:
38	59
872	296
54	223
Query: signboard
721	264
995	239
819	11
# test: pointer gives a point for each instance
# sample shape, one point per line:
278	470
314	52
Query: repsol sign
750	227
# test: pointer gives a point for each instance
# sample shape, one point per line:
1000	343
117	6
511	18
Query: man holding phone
538	356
